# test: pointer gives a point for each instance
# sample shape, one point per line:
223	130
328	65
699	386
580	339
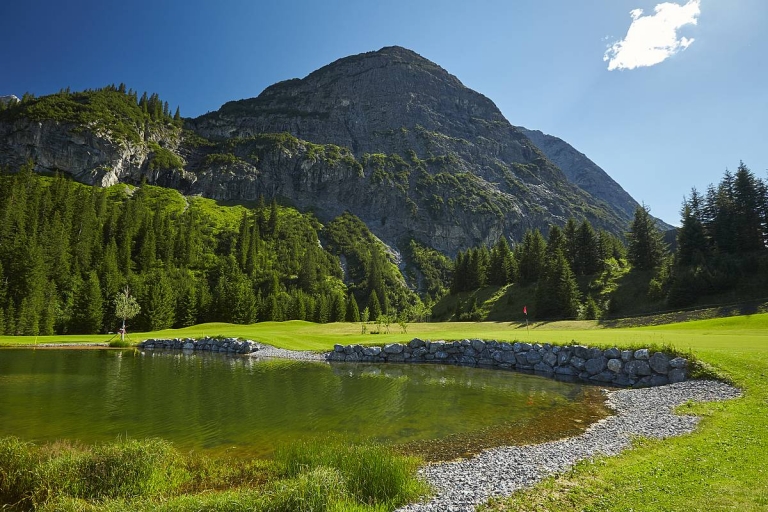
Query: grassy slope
719	467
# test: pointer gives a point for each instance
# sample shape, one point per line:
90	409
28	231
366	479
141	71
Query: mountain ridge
388	135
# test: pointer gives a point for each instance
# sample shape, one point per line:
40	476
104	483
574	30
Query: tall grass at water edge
132	475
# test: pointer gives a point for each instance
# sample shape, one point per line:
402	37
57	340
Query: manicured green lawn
721	466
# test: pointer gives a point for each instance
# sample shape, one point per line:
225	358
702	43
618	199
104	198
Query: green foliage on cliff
371	270
162	158
428	270
111	110
220	159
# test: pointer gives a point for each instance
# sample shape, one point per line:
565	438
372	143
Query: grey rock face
637	368
676	375
642	354
584	173
615	365
659	363
595	365
393	101
393	348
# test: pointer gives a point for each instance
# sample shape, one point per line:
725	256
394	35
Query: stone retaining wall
228	345
611	366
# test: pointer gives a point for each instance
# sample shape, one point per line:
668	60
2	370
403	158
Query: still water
240	405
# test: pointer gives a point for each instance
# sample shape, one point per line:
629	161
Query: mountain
388	136
586	174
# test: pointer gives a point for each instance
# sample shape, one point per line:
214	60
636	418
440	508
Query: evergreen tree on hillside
570	241
353	311
158	302
645	249
374	306
88	314
530	255
692	243
557	293
747	205
587	251
499	265
556	241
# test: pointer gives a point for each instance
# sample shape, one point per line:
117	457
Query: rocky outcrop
623	368
90	156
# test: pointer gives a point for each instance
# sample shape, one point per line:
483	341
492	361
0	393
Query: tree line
720	247
67	249
722	240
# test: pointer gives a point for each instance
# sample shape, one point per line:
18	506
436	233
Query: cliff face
477	176
388	135
90	157
586	174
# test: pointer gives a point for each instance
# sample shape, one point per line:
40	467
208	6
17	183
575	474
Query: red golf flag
525	310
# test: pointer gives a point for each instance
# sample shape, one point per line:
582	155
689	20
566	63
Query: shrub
372	474
17	480
126	469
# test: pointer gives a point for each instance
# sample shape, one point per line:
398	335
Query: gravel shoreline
270	351
647	412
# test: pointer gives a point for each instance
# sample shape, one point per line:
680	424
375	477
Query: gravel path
270	351
647	412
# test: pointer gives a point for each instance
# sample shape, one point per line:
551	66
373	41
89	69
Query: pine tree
747	222
89	307
244	240
569	232
158	304
273	219
530	255
556	241
374	306
587	256
459	281
646	248
691	242
498	268
557	294
339	309
353	311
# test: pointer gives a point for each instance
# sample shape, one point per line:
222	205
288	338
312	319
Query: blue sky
656	129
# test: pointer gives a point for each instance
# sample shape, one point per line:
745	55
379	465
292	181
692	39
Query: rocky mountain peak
355	101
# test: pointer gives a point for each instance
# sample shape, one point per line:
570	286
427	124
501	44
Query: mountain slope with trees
388	136
67	249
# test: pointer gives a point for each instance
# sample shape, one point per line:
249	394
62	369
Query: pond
245	406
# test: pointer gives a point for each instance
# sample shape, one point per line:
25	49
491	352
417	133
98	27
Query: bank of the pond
612	366
622	368
648	412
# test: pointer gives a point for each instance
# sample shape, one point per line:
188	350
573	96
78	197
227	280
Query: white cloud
653	39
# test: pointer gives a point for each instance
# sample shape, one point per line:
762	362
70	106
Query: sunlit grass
152	475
